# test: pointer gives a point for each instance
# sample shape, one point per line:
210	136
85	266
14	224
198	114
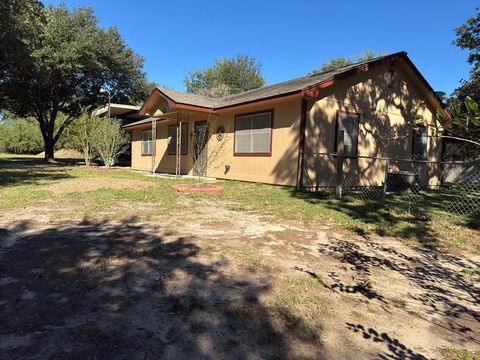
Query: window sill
253	154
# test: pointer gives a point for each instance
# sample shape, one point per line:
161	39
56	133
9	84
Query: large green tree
468	38
342	61
58	64
226	77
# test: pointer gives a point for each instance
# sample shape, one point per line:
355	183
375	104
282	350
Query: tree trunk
49	150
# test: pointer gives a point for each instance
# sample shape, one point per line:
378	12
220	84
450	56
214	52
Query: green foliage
107	138
333	64
20	135
23	136
342	61
464	126
468	38
465	116
226	77
65	59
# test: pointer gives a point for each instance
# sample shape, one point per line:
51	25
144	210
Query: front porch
172	143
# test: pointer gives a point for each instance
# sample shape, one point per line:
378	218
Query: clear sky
289	38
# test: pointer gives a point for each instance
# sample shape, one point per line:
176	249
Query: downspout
301	144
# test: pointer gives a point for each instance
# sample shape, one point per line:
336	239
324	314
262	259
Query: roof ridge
283	87
308	76
161	88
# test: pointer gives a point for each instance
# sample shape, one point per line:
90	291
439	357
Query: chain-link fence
417	186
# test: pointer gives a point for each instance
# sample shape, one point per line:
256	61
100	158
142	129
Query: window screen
348	123
172	139
253	133
420	138
146	142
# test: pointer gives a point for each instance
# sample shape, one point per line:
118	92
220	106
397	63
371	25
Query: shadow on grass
27	171
125	290
375	216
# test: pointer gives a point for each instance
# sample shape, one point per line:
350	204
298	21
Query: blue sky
289	38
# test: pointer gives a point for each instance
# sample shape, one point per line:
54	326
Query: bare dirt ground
214	283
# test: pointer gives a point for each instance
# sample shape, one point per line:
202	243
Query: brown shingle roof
284	88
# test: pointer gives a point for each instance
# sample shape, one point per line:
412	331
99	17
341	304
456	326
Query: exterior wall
279	168
384	98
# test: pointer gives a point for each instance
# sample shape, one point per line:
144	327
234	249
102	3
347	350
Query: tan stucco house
273	134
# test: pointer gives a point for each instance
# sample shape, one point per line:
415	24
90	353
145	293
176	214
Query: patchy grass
399	302
21	196
458	354
245	257
440	230
297	295
28	183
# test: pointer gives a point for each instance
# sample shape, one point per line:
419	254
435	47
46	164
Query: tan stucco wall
279	168
384	102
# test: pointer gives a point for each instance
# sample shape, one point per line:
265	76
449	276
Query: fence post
339	179
385	174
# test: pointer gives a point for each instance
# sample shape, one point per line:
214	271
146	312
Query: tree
19	135
226	77
107	138
65	60
468	38
333	64
464	127
342	61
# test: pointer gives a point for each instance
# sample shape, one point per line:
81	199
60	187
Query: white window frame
148	143
348	139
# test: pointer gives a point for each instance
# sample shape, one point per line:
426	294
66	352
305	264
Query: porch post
178	148
340	154
154	142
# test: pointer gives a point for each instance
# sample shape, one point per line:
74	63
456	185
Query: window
172	139
348	123
253	134
419	146
147	142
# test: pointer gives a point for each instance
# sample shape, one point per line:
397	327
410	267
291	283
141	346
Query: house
275	134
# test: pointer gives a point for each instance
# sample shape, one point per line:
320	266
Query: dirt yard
182	276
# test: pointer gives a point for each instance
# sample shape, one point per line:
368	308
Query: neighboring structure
120	111
274	134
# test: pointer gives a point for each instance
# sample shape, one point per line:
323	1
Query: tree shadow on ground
28	171
446	289
125	290
396	350
375	215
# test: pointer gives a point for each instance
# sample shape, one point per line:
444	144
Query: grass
459	354
297	295
440	231
28	185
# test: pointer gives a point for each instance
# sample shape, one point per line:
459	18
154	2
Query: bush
108	139
23	135
20	135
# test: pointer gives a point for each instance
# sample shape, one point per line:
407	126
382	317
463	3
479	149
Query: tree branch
461	139
62	127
